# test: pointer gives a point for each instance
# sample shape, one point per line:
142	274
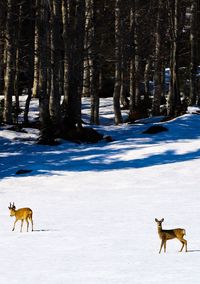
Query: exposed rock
82	135
22	172
155	129
108	138
17	128
47	141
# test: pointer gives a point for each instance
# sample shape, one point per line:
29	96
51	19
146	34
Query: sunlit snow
94	205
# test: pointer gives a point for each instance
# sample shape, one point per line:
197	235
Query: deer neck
160	229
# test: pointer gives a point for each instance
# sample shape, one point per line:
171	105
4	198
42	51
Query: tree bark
118	63
10	61
95	43
54	104
158	59
174	95
132	61
36	53
43	34
193	52
2	43
74	54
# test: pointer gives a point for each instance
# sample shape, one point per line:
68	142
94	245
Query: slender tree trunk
198	50
36	54
158	59
95	64
28	34
18	71
27	106
174	95
125	48
43	48
124	85
54	105
135	61
65	20
139	70
132	63
147	77
74	19
194	50
118	63
2	43
10	61
88	46
80	35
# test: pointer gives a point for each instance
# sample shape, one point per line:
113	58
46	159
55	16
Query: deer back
23	213
171	234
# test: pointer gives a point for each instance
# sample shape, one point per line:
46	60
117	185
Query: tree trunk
88	46
198	50
174	95
36	53
194	50
65	20
54	105
74	48
2	43
95	41
43	33
132	61
118	58
10	61
147	77
135	62
158	59
27	42
125	48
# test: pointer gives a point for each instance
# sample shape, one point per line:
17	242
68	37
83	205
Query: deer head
12	209
159	222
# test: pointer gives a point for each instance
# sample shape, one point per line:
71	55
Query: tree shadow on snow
102	156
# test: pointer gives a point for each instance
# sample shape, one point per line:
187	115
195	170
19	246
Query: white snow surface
94	205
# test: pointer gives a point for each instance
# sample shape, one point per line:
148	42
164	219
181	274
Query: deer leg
31	222
22	221
162	243
27	223
184	243
14	225
182	246
165	243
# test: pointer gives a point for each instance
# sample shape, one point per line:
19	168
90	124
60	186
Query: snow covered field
94	206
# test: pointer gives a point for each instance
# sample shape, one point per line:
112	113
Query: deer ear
162	220
156	219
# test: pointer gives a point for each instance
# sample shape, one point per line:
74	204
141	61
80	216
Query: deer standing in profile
21	214
166	235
